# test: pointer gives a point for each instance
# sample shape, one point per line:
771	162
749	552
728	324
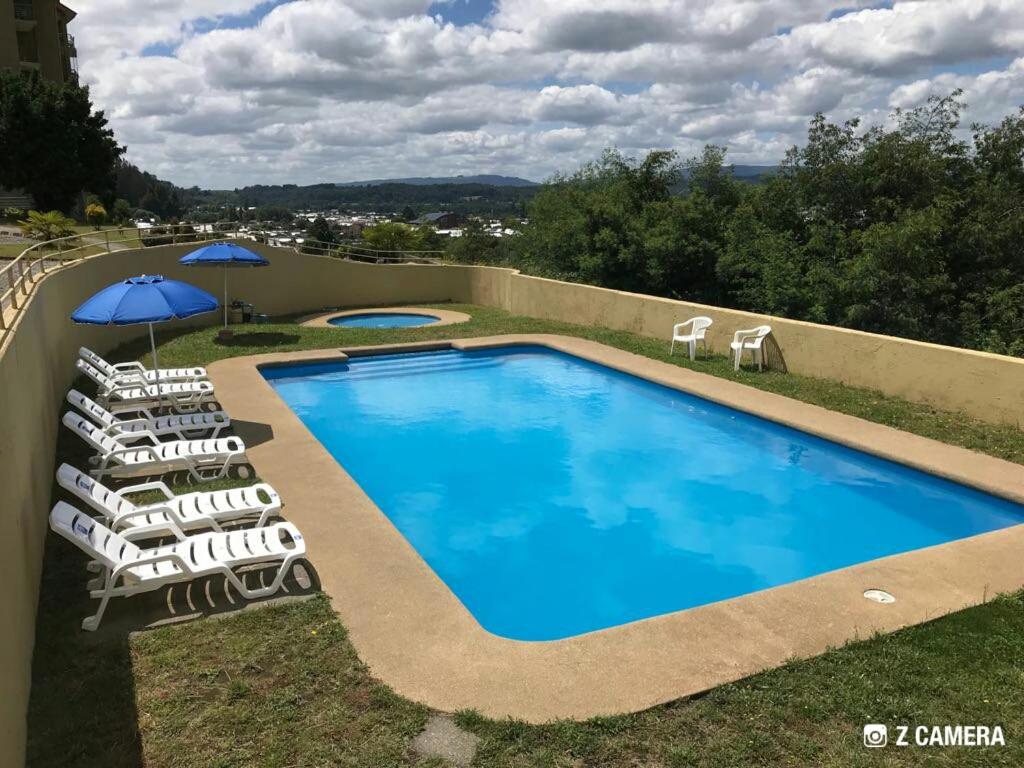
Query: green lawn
284	687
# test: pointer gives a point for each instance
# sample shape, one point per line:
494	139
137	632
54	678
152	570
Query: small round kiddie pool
387	317
382	320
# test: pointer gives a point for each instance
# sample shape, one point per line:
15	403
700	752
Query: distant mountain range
493	180
749	172
743	172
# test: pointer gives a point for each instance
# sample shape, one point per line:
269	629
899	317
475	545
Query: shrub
181	233
96	214
47	226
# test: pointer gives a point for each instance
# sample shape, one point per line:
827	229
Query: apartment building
34	36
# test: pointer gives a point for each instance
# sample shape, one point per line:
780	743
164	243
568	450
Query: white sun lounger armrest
142	434
135	366
108	457
174	523
155	485
171	557
119	385
124	424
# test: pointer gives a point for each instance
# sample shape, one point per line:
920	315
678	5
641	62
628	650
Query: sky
225	93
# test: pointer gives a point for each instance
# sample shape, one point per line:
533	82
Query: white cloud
328	90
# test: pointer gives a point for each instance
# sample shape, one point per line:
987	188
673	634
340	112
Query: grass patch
282	687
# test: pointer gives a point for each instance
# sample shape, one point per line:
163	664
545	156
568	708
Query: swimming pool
554	496
382	320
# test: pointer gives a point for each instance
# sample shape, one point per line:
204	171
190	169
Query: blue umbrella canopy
223	255
144	299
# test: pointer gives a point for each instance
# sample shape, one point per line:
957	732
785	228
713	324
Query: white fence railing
19	276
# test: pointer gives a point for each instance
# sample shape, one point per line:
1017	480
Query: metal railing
19	277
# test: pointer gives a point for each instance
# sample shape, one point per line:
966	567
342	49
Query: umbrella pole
225	270
156	368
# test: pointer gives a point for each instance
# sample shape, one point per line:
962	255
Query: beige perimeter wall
37	367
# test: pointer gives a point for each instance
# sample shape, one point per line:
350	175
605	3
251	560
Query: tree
408	214
276	213
391	236
122	212
47	226
475	246
52	143
903	228
96	214
319	231
144	190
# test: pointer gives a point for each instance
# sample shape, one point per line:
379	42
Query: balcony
68	44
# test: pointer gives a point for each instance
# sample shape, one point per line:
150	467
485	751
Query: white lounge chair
183	426
128	570
117	397
698	327
137	372
173	514
202	459
753	340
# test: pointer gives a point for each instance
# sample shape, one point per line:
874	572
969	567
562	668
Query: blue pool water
554	496
382	320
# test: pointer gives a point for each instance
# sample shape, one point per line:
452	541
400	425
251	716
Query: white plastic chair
138	373
183	426
698	327
173	514
753	340
126	569
202	459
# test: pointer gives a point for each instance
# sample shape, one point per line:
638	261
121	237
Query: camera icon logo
876	735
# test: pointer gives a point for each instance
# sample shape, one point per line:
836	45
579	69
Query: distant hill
753	172
489	179
491	200
749	173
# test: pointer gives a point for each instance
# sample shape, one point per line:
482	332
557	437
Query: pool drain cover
879	596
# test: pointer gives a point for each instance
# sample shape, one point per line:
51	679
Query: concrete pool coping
416	636
444	316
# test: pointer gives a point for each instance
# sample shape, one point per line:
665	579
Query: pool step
360	370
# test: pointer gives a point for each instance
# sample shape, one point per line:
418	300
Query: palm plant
47	226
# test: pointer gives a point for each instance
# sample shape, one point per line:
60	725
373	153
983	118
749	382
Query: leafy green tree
276	213
904	229
122	212
52	143
475	246
391	236
319	236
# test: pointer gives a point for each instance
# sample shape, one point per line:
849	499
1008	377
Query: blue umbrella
223	255
145	299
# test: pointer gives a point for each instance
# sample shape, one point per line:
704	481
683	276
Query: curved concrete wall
37	367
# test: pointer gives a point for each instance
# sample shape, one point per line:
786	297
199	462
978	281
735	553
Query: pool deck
419	639
444	316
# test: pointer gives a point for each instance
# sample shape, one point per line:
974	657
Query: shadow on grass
82	708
